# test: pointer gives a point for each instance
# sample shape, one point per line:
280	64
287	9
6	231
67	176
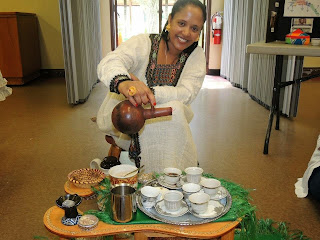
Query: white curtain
236	36
151	11
261	69
245	22
80	26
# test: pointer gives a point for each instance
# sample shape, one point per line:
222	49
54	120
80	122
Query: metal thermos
123	203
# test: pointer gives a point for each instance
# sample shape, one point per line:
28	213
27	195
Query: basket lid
297	34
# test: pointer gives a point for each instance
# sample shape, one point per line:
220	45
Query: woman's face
185	27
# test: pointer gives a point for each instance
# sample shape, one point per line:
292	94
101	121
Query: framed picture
301	8
305	24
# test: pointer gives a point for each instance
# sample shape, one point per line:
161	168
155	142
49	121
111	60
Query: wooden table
20	58
280	49
224	230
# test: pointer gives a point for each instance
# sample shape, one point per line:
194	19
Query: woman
167	70
309	184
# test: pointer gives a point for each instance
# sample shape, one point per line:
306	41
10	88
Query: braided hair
180	4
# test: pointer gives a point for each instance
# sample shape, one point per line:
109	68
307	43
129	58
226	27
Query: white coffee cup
193	174
96	164
172	175
210	186
173	200
190	188
199	202
149	196
315	41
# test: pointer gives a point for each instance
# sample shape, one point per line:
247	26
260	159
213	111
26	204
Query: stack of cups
172	199
193	176
199	200
195	198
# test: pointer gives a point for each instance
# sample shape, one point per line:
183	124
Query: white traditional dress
301	186
165	141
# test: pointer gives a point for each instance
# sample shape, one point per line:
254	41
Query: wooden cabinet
19	47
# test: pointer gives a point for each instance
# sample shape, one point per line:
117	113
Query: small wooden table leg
228	236
140	236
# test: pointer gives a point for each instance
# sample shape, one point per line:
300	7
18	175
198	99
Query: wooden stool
114	150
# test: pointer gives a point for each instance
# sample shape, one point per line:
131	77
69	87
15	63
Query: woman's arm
114	70
124	59
190	81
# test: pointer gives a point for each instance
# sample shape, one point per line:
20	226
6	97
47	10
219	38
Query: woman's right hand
143	93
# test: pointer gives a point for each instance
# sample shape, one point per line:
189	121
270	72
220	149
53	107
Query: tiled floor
42	139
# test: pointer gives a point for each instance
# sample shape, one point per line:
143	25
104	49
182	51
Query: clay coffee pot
129	119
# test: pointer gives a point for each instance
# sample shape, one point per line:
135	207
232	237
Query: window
139	16
132	17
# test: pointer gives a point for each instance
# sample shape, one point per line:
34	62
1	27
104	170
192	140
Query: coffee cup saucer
221	193
161	209
163	183
215	208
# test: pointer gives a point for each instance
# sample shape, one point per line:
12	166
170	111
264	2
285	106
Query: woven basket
86	177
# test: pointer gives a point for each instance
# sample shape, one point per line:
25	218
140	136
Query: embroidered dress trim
135	150
116	81
157	75
163	74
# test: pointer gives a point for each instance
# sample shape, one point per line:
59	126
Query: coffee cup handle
159	197
95	163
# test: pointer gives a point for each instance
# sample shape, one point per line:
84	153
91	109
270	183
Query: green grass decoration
104	197
250	227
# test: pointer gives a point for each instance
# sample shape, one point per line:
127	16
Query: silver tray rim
186	222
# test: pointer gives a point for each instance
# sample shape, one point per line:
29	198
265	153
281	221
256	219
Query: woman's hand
143	93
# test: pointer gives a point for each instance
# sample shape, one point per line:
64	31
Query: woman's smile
185	28
182	40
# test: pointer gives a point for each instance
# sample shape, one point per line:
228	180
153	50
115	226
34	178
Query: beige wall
50	32
105	26
47	12
311	62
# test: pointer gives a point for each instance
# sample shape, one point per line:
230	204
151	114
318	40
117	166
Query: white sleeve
124	59
190	81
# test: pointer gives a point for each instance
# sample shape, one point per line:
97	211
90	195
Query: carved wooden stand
222	230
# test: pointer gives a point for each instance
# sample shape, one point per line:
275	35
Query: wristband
116	81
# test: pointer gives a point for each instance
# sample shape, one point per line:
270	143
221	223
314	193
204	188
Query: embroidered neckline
168	74
153	66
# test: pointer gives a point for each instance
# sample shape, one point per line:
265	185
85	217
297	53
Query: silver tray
186	219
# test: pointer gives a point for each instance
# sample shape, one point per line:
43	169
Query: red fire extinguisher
216	24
